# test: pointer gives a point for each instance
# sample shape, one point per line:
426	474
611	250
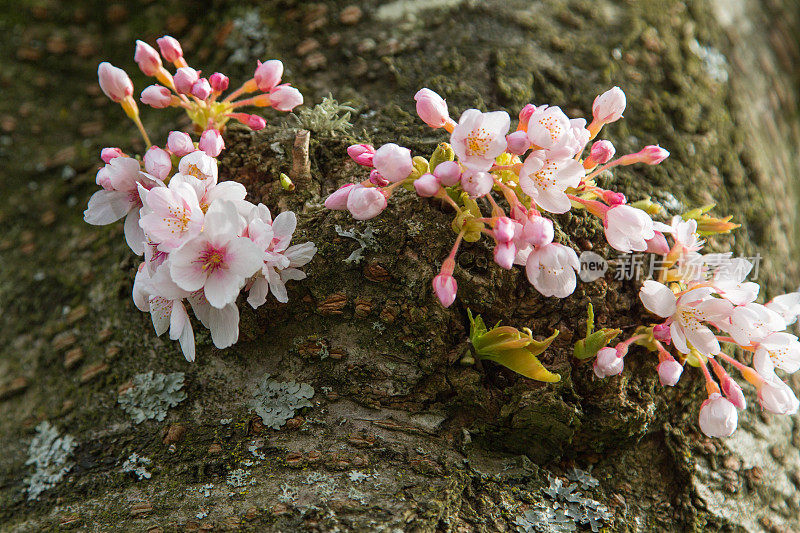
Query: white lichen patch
50	454
276	401
247	39
365	239
152	395
137	465
239	478
567	507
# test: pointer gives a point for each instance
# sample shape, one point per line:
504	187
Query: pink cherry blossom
200	165
107	154
479	138
608	363
431	108
548	127
114	82
518	142
504	254
172	216
393	162
718	416
165	302
752	323
601	152
223	323
219	82
477	183
551	269
504	229
628	229
427	185
609	106
179	143
285	97
211	142
445	288
201	89
778	350
184	79
218	260
268	74
170	48
448	172
776	397
669	372
157	162
337	200
546	180
362	154
787	306
157	96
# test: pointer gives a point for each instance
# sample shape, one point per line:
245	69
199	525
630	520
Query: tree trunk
402	434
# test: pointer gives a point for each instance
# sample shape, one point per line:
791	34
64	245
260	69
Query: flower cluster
701	310
543	166
201	240
201	97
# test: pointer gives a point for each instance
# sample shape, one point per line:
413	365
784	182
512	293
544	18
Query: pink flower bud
376	179
211	142
661	333
658	244
608	107
445	288
448	172
365	202
538	231
653	155
256	122
268	74
107	154
669	372
170	48
393	162
361	154
718	417
518	142
337	201
525	115
477	184
285	97
608	363
613	198
179	143
504	229
184	79
147	58
777	397
431	108
504	254
157	96
157	162
219	82
114	81
602	152
733	392
201	89
427	185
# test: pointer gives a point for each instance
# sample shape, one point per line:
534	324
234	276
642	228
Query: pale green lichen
152	395
329	117
137	465
276	402
365	239
50	454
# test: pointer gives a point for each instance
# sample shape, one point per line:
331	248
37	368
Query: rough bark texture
447	446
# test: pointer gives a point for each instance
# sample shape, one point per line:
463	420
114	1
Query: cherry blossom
479	138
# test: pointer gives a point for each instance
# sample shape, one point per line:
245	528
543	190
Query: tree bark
445	446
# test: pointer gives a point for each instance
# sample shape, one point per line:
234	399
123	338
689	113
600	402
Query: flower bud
504	254
219	82
365	202
431	108
448	172
184	79
538	231
179	143
211	142
776	397
608	363
653	155
114	82
602	152
669	372
504	229
157	96
337	201
201	89
658	244
376	179
256	122
427	185
157	162
718	417
147	58
733	392
661	333
170	48
268	74
361	154
445	288
613	198
525	115
107	154
285	97
608	107
477	184
393	162
518	142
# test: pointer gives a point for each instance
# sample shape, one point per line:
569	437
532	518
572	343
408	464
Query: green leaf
444	152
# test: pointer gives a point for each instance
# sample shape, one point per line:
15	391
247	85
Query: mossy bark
447	446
